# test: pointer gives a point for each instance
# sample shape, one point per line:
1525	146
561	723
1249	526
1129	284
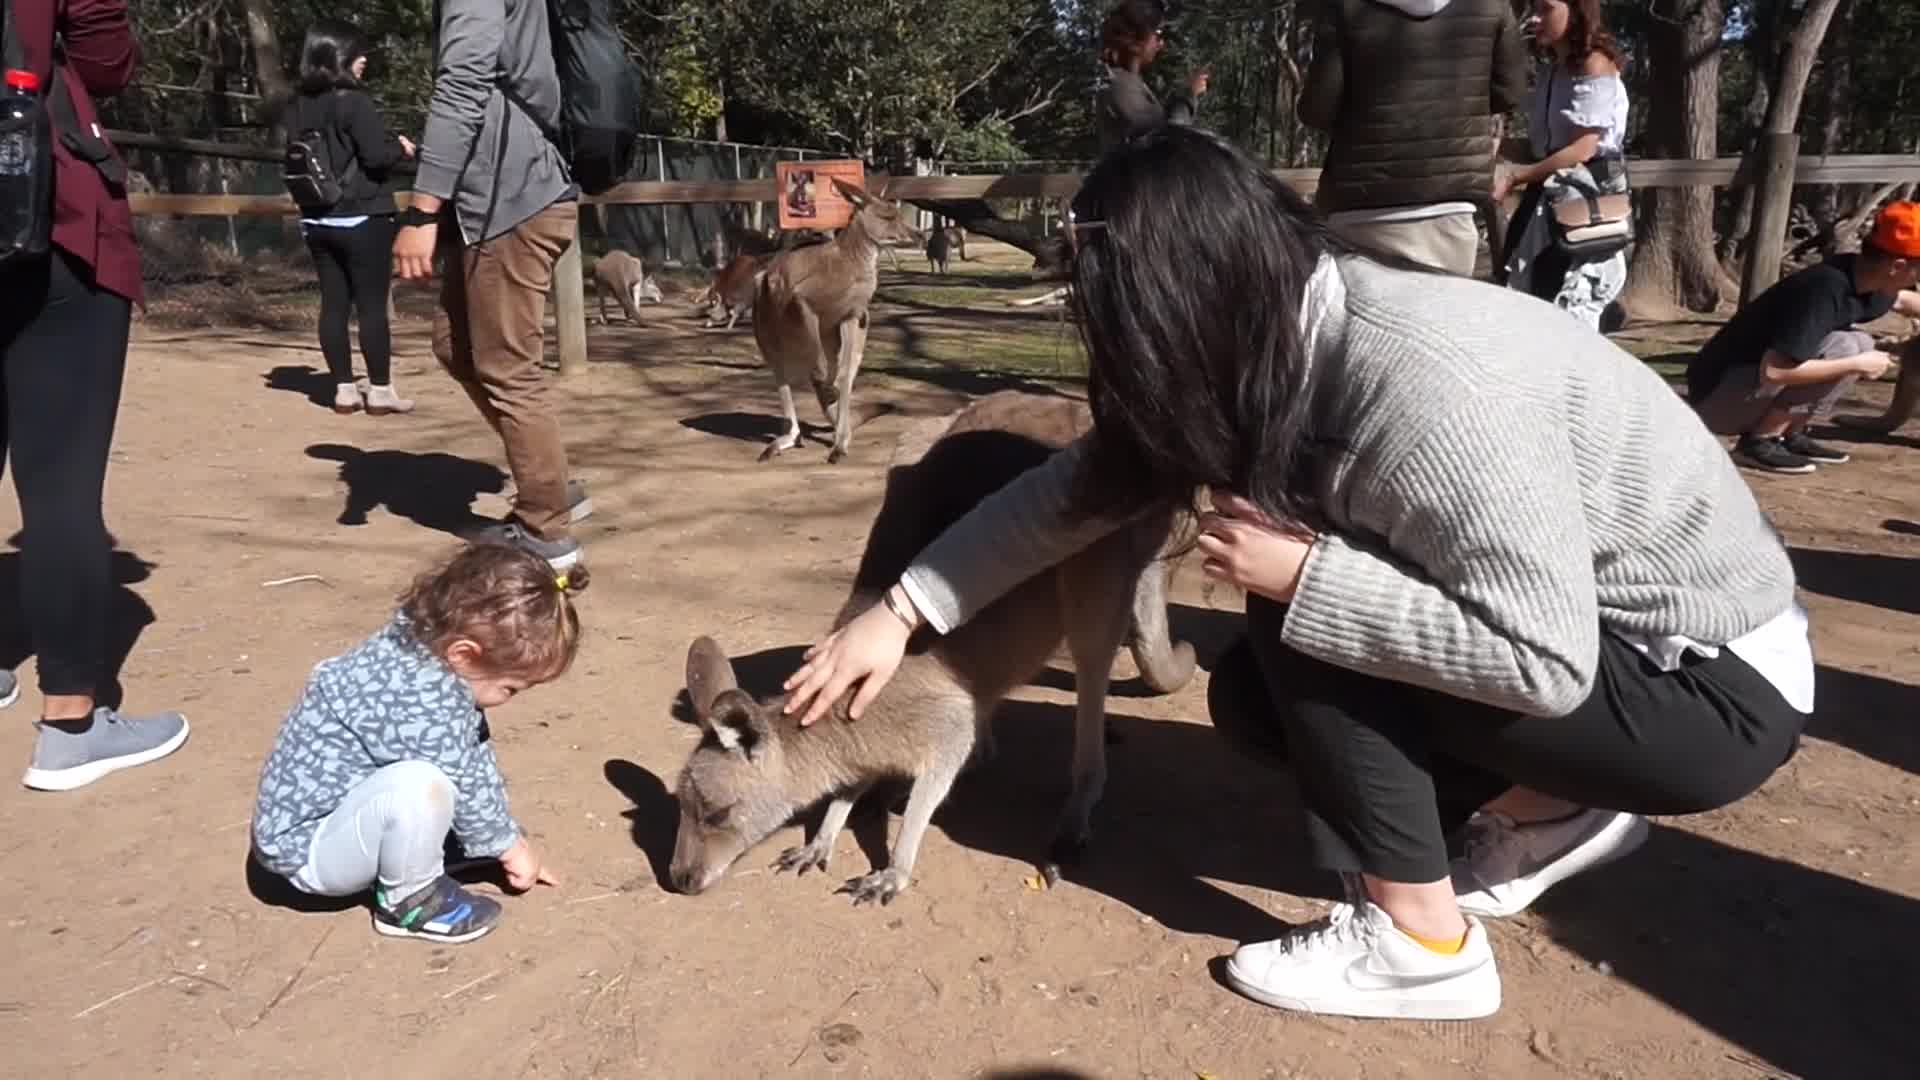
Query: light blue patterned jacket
388	699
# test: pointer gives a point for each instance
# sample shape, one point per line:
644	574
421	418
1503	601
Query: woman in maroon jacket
63	353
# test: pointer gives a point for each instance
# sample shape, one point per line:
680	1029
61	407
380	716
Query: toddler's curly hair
510	602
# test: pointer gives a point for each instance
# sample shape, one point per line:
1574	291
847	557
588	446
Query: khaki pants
490	335
1449	243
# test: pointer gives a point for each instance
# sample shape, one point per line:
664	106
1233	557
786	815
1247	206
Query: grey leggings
391	829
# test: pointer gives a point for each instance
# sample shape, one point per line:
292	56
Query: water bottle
26	168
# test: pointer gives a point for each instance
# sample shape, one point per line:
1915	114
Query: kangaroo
957	241
755	768
810	315
620	273
938	244
733	288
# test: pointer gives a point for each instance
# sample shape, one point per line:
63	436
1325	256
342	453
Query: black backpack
316	182
599	93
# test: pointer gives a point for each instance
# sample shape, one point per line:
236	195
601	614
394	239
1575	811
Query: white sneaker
1356	962
1507	866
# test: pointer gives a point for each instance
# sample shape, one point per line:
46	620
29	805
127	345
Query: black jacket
350	124
1409	100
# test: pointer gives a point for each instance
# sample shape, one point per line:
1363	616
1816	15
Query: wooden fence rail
570	306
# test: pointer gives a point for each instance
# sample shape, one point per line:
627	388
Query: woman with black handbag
351	235
1568	239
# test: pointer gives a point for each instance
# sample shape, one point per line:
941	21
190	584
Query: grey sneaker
63	761
9	688
560	554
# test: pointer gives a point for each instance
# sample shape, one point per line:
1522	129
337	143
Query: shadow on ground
1891	582
128	616
435	490
1800	967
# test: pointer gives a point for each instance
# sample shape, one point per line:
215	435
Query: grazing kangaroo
755	768
938	244
621	273
810	315
734	287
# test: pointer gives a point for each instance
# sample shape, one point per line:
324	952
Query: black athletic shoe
1771	455
1801	444
442	912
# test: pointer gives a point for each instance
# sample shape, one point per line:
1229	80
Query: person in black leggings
64	321
351	241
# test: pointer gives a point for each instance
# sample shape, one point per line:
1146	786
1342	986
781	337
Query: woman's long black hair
1189	303
327	56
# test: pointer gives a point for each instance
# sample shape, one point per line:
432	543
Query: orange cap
1897	230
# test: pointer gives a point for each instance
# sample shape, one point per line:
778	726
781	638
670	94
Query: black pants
63	353
1387	771
356	273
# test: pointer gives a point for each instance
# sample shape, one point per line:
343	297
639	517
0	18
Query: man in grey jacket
1412	143
513	210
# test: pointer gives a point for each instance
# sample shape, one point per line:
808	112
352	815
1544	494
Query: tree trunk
1796	67
269	70
1674	265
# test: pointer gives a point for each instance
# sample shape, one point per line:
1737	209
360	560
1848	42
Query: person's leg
1755	412
507	280
63	376
371	270
1369	754
389	835
330	260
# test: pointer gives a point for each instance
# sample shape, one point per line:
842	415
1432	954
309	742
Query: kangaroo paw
881	885
836	456
1068	847
802	859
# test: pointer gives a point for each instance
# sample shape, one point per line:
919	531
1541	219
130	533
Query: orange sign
807	196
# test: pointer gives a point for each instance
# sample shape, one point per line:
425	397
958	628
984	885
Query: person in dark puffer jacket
1413	142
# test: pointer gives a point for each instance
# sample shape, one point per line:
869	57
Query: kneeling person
1792	352
388	747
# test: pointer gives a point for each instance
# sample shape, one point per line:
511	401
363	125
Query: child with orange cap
1791	353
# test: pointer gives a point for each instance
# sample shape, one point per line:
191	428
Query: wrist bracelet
413	217
907	616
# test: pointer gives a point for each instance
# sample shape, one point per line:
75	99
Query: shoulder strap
12	52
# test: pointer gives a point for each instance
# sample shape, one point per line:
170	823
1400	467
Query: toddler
388	748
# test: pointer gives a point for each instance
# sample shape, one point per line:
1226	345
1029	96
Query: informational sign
807	196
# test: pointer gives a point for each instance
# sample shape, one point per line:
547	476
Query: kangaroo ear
737	722
852	194
709	674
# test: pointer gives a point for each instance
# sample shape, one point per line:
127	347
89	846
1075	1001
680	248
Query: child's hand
523	867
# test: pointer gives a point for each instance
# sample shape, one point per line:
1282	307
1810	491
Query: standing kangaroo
621	274
756	767
810	315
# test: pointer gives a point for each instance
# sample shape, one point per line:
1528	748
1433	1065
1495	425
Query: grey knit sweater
1515	484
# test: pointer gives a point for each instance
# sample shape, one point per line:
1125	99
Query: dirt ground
1769	939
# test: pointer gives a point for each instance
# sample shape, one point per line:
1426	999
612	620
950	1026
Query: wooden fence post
570	306
1772	207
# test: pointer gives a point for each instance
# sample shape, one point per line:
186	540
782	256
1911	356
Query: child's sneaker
443	912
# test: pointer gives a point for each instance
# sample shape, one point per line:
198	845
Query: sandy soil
1771	938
